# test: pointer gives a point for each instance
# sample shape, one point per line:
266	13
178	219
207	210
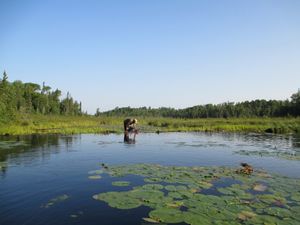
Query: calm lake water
35	169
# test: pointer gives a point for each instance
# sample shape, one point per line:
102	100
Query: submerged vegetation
207	195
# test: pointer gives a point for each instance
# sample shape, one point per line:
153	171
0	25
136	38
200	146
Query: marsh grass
38	124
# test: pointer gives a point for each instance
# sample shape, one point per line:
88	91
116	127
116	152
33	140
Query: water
40	168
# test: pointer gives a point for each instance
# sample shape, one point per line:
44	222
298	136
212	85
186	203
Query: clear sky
173	53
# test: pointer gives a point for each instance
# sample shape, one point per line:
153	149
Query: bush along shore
59	124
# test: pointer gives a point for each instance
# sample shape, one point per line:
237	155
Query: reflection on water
38	168
26	149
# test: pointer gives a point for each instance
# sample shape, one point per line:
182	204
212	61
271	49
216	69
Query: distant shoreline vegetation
30	98
28	108
246	109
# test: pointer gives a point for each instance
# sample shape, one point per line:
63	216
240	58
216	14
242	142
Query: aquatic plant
121	183
207	195
94	177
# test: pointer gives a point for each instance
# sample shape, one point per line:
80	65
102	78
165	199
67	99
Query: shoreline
38	124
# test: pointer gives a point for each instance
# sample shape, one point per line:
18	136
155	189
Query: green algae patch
206	195
121	183
56	200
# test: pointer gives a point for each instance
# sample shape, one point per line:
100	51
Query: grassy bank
37	124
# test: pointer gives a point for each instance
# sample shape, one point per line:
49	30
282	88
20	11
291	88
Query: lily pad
167	215
95	177
119	200
121	183
196	218
246	215
260	187
150	220
177	194
296	197
152	186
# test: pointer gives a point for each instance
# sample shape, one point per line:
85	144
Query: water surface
38	168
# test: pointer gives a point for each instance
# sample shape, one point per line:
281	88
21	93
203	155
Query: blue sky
154	52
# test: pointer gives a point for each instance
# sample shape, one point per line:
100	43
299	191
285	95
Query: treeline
256	108
17	97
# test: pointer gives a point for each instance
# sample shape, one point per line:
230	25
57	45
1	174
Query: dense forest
18	97
247	109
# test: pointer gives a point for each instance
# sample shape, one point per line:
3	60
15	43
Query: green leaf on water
296	196
152	187
152	180
264	219
246	215
95	177
259	187
119	200
175	194
277	211
121	183
196	218
170	187
150	220
167	215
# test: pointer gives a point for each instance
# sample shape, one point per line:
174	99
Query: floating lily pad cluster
265	153
207	195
